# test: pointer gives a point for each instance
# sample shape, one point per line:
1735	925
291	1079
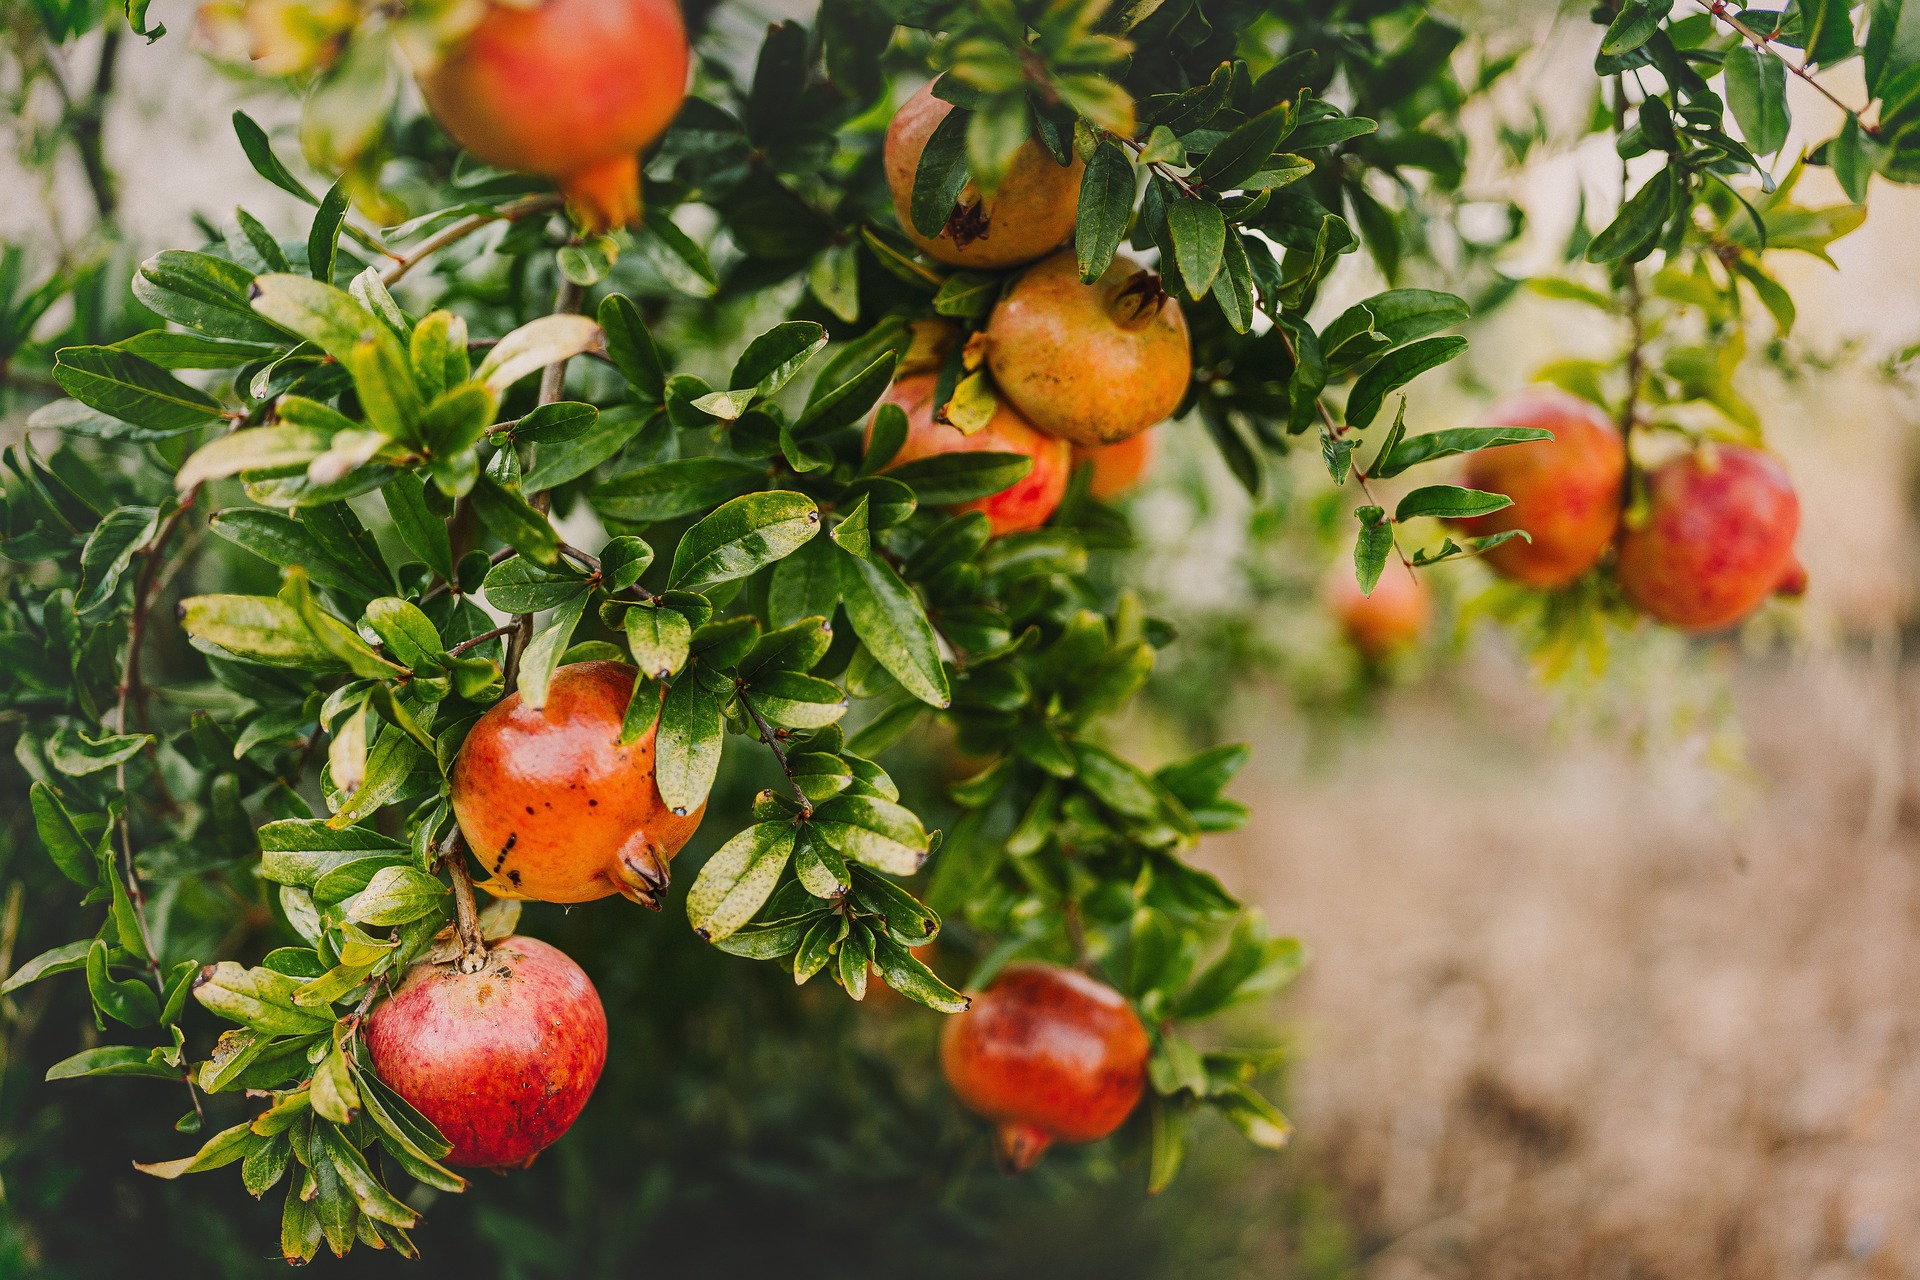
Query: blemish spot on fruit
679	811
529	808
514	876
513	838
592	803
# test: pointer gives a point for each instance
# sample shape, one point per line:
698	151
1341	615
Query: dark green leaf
1394	371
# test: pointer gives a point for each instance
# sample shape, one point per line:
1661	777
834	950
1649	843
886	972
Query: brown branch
553	385
1718	8
771	736
482	638
465	227
466	912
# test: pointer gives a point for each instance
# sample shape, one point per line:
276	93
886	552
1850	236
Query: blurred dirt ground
1566	1017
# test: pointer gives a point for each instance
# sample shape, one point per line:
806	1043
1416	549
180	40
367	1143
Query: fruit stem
466	912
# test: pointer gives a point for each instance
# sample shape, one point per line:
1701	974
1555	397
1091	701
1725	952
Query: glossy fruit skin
1091	363
1566	491
555	808
1717	540
1029	501
1030	214
1390	620
1048	1054
1116	467
503	1060
572	89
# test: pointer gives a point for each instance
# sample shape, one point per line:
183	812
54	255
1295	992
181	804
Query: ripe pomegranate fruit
501	1060
1030	213
1393	618
1026	503
1092	363
1117	467
1717	540
555	807
1049	1055
572	89
1566	491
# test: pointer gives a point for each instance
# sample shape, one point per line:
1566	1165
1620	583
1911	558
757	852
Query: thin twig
1718	9
466	912
771	736
1636	358
465	227
1160	167
482	638
1338	431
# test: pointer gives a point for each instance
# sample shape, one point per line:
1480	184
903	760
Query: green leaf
1387	320
1414	450
1826	28
303	851
1244	151
676	256
283	541
547	340
1632	233
75	754
131	389
259	150
846	403
631	348
1450	502
515	522
424	533
323	240
1169	1139
738	879
771	360
255	449
1106	207
1396	370
900	970
940	175
880	833
1633	26
109	549
792	700
892	624
62	959
224	1148
258	998
1199	234
669	490
1371	550
556	423
659	638
60	834
205	293
961	477
691	733
171	350
131	1001
743	535
1757	95
112	1060
543	651
517	585
395	895
1233	288
389	764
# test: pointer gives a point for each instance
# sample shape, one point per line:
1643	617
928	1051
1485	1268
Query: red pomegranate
1717	539
1048	1054
1380	625
501	1060
572	89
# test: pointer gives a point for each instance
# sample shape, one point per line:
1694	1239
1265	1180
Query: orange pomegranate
1091	363
1117	467
1048	1054
572	89
1030	213
1025	504
552	804
1380	625
1566	491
